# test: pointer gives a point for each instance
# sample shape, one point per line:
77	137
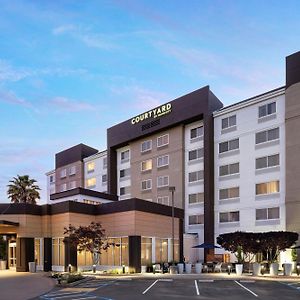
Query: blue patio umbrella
207	246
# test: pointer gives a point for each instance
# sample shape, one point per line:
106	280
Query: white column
153	250
170	258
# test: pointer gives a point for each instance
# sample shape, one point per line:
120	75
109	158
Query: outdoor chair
157	268
218	267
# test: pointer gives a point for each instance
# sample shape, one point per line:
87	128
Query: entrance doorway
12	256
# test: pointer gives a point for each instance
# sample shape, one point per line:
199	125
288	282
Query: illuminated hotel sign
153	113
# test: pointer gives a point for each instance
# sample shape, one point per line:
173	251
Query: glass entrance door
12	256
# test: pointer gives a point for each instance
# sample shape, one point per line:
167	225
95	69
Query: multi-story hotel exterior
233	168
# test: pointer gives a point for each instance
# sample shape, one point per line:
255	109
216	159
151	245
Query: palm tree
22	189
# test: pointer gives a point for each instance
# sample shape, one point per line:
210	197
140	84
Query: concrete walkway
23	286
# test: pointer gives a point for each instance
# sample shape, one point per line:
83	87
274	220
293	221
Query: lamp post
172	190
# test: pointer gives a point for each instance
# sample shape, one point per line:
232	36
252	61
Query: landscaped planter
274	269
198	268
256	269
180	268
288	269
188	268
2	264
239	269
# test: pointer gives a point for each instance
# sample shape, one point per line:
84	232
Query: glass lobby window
267	109
229	193
37	251
84	258
196	132
196	176
196	198
229	169
146	165
163	161
176	249
125	173
229	122
163	140
58	252
146	251
125	156
90	167
267	135
267	161
229	146
228	217
267	213
267	187
147	184
161	250
196	154
124	251
146	146
112	256
91	182
162	181
196	219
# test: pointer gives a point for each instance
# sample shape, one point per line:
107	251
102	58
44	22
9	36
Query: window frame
161	157
163	177
145	161
161	137
198	136
146	181
267	105
228	120
148	149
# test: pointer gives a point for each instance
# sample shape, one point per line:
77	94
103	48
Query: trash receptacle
32	267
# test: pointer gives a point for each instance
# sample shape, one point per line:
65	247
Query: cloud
69	105
12	98
9	73
84	35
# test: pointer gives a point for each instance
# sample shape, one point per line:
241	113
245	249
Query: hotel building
233	168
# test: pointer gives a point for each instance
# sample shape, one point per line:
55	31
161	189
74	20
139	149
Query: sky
71	69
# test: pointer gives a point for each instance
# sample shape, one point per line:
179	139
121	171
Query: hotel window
72	185
229	122
146	165
196	176
196	219
51	179
63	187
162	181
90	167
267	135
163	140
58	252
104	162
146	146
63	173
125	156
163	161
229	146
104	178
146	184
124	190
72	170
267	161
196	198
267	109
271	213
91	182
267	188
125	173
196	132
229	193
163	200
229	169
146	251
229	217
196	154
161	250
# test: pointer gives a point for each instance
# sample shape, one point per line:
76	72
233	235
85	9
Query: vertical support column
112	171
153	250
181	228
135	247
70	255
47	254
209	220
25	253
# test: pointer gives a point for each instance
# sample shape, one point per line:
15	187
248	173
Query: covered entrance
8	245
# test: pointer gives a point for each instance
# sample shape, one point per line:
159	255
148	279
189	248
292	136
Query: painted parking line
246	288
205	280
147	289
197	288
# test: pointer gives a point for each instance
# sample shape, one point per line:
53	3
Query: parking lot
181	288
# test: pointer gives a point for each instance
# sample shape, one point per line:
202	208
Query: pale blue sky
71	69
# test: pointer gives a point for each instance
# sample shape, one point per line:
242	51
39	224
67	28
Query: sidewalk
22	286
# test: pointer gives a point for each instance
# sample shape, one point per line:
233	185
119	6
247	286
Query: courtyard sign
153	113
